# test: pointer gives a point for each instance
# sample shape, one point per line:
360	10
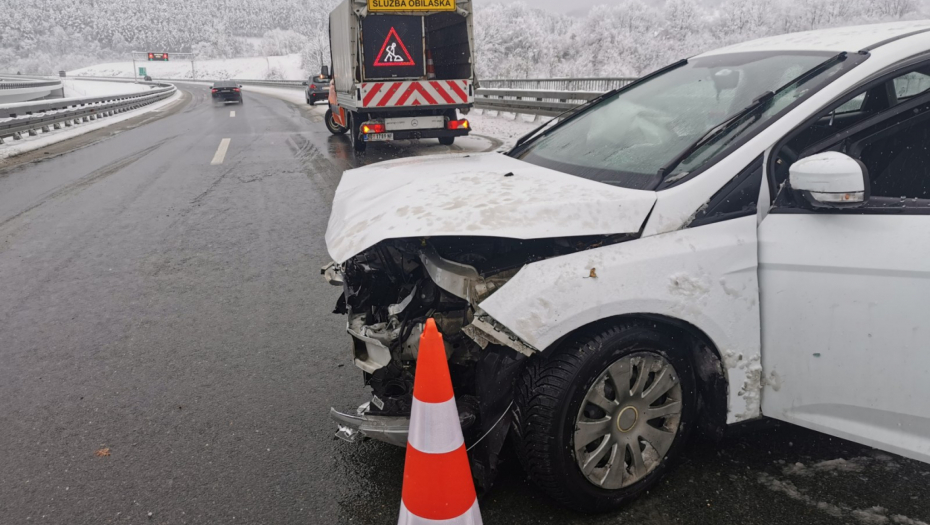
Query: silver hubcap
628	420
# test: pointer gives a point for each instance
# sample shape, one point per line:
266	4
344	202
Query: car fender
705	276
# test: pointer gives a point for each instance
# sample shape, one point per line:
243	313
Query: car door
845	293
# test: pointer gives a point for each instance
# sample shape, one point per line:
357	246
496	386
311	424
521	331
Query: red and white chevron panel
416	93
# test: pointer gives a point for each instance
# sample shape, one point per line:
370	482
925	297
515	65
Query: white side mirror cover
831	179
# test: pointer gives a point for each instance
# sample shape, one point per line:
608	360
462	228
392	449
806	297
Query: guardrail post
33	133
17	136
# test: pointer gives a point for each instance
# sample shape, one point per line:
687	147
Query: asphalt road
171	311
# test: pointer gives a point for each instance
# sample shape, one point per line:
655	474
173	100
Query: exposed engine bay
391	289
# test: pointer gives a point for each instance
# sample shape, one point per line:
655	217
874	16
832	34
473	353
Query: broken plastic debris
346	434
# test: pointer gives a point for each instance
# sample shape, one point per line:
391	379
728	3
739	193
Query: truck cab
401	70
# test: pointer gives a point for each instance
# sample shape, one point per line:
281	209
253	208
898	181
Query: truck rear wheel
332	125
599	420
447	141
355	128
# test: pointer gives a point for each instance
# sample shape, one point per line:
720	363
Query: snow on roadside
91	88
286	67
293	95
505	127
13	148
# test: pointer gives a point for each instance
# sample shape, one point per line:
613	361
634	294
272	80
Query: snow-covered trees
632	37
620	38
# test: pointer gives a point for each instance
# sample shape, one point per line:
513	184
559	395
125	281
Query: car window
911	84
853	105
868	104
897	157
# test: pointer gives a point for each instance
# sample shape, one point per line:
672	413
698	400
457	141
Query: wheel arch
710	373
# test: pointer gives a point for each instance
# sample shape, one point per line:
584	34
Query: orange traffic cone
437	478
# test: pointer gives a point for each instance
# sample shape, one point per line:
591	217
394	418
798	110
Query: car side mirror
830	180
324	71
240	86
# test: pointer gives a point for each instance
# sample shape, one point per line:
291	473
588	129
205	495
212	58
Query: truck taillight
373	128
458	124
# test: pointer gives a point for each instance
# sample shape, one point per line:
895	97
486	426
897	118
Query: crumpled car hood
486	195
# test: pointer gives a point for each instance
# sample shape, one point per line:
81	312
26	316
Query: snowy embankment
285	67
85	88
90	88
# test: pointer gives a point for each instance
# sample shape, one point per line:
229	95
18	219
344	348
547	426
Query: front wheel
332	125
599	420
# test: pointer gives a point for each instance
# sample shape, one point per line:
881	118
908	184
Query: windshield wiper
712	133
581	108
756	105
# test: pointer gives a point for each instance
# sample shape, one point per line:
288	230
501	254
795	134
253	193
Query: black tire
447	141
332	125
550	393
355	130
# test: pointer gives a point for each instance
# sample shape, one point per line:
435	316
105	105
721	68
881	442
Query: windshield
627	139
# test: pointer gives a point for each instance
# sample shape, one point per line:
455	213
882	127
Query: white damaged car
745	233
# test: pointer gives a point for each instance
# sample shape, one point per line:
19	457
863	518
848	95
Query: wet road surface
166	309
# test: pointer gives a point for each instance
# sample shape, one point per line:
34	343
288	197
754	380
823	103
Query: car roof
851	39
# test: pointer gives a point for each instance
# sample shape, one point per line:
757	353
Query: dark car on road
318	87
227	91
147	78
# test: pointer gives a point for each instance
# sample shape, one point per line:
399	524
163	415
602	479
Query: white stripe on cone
435	427
471	517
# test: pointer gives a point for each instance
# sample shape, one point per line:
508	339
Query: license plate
415	123
377	137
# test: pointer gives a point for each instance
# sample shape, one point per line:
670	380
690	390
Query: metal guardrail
559	84
29	117
541	96
20	84
531	96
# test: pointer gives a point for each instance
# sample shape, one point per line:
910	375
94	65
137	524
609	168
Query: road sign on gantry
158	57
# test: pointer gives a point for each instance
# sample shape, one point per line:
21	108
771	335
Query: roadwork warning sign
410	5
394	52
393	46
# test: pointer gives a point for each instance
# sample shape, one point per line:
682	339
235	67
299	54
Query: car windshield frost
628	139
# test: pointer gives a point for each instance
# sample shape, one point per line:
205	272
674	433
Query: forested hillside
624	37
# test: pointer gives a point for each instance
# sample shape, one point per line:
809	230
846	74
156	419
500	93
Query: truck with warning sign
401	69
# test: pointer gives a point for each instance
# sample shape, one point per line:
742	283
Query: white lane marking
232	114
220	152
